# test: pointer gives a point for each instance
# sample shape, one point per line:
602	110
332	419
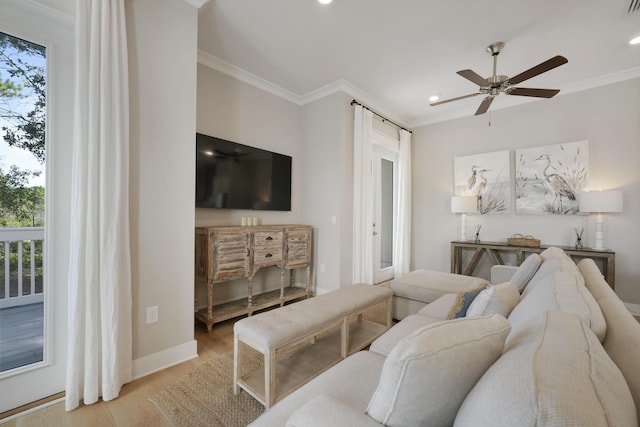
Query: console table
229	253
493	250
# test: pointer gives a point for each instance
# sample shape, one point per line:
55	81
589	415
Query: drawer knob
269	238
268	256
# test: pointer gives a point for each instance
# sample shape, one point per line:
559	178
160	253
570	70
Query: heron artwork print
550	178
486	176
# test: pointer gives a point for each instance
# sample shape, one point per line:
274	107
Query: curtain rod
384	119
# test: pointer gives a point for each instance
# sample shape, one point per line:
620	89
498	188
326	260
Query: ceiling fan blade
484	106
474	77
545	66
538	93
454	99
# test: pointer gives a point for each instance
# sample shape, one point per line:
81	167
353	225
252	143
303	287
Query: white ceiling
394	54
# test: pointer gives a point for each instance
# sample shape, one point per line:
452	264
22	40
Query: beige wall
230	109
162	72
328	158
607	117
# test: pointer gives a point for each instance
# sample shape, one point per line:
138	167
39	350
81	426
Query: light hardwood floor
132	408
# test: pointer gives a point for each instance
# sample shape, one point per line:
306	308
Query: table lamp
464	205
599	202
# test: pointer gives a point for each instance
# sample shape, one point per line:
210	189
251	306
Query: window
22	201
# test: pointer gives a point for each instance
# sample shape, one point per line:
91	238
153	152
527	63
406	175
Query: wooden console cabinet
605	258
230	253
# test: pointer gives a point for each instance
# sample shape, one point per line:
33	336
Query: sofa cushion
553	260
428	286
325	410
387	341
463	301
427	375
525	271
555	372
560	291
499	299
439	308
622	342
352	381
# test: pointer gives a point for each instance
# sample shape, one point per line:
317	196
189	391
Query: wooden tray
519	240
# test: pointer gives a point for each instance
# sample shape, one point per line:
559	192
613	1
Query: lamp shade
464	204
601	201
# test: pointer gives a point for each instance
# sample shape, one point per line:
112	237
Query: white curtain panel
99	352
362	197
402	242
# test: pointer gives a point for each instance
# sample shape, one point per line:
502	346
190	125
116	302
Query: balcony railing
21	266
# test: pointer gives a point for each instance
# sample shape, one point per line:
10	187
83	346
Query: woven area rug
204	397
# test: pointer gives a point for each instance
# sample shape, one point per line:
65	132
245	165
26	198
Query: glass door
385	184
36	130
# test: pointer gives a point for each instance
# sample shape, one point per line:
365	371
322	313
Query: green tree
20	205
26	127
23	114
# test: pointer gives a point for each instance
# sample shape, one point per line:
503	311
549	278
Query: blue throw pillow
463	301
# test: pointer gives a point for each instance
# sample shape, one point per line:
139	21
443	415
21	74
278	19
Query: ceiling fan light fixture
434	98
324	1
635	40
497	83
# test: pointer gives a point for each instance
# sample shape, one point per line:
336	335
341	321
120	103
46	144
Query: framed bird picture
486	176
549	178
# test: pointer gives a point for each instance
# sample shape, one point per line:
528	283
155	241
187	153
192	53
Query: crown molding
360	95
238	73
196	3
350	89
52	14
607	79
337	86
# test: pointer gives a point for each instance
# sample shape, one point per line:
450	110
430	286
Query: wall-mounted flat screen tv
235	176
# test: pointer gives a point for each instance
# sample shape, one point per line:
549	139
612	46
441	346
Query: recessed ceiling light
325	1
434	98
635	40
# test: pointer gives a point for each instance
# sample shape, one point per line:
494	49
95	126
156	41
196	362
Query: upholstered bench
275	331
413	291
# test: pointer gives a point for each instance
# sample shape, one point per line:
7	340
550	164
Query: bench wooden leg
269	378
344	344
389	312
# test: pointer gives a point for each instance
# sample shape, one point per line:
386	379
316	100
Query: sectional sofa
557	348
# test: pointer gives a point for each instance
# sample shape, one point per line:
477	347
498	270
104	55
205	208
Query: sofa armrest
502	273
325	410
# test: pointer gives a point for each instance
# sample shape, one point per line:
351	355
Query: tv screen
235	176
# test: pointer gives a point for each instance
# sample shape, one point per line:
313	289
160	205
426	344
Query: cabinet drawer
267	254
268	238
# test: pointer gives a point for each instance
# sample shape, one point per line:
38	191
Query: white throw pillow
427	375
499	299
555	373
525	271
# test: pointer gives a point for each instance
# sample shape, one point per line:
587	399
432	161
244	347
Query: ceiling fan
496	84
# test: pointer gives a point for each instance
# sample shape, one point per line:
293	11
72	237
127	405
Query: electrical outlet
152	314
322	268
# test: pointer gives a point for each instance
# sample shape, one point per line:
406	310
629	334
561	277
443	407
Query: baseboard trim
164	359
13	414
633	308
320	291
